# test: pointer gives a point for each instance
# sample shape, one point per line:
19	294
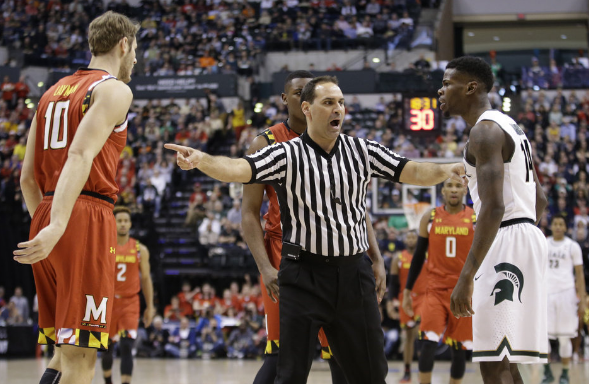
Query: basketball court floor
163	371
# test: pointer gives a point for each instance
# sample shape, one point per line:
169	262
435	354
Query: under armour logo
505	288
112	250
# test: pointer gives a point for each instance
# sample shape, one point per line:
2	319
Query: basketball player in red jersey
446	234
132	274
399	273
267	248
68	182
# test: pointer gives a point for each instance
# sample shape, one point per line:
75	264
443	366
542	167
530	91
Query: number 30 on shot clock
421	113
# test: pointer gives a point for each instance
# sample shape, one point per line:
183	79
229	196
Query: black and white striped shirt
322	195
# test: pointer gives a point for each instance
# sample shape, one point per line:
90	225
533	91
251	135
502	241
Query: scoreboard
421	114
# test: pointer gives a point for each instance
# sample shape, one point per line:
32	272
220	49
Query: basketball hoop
414	212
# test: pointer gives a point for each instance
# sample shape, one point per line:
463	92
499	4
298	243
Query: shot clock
421	113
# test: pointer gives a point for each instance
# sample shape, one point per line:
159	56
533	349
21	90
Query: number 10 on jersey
56	125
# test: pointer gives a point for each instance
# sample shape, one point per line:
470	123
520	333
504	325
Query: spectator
154	342
234	214
10	315
2	300
211	341
422	64
174	311
241	342
209	230
21	88
7	88
21	303
182	341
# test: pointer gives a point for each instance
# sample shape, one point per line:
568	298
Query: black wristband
417	261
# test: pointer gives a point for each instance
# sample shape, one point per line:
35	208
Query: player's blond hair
107	30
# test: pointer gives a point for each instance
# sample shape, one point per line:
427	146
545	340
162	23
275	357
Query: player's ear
124	44
471	87
283	97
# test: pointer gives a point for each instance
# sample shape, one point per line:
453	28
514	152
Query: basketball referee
321	180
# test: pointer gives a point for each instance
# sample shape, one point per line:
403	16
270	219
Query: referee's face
326	113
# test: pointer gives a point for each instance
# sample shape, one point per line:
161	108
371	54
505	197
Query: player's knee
458	366
565	347
126	348
427	355
76	356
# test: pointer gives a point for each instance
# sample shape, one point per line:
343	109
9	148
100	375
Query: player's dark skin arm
541	201
488	149
253	195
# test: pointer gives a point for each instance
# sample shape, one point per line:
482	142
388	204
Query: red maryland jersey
420	285
59	114
127	282
276	134
450	239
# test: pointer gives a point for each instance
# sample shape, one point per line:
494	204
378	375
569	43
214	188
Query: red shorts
438	320
75	284
404	319
274	251
125	317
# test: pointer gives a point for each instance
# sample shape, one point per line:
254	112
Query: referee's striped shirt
322	195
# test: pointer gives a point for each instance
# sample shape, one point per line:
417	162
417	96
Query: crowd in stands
15	311
573	74
194	37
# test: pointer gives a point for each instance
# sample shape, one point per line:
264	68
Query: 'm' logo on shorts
94	312
505	288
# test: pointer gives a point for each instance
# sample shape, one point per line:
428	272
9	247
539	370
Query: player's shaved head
296	75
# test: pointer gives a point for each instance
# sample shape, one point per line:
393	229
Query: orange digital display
421	113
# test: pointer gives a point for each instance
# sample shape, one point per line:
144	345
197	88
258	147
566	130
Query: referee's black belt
507	223
312	258
89	193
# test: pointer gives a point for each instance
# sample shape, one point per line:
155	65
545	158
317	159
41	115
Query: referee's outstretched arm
426	174
221	168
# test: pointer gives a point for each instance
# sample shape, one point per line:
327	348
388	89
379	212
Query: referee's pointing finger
178	148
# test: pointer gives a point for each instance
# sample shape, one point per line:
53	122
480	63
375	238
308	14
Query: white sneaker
575	358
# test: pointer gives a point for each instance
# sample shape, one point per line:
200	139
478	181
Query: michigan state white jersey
563	256
519	188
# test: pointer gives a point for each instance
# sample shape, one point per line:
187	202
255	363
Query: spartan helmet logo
504	288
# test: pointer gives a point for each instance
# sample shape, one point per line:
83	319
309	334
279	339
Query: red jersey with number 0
127	281
450	239
276	134
59	114
420	285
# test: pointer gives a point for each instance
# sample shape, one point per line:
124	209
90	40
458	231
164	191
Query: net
414	212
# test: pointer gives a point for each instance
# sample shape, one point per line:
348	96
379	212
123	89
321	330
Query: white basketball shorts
509	298
563	318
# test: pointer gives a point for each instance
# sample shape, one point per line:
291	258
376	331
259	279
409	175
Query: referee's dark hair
475	67
308	93
297	75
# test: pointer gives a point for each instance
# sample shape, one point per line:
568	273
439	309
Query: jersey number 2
56	125
122	269
450	246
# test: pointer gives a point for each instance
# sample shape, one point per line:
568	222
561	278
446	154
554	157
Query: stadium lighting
536	88
496	38
375	60
40	84
27	101
258	107
506	104
470	34
249	121
30	105
512	87
502	92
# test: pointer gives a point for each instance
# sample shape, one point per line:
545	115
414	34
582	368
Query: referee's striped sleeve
384	163
268	165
